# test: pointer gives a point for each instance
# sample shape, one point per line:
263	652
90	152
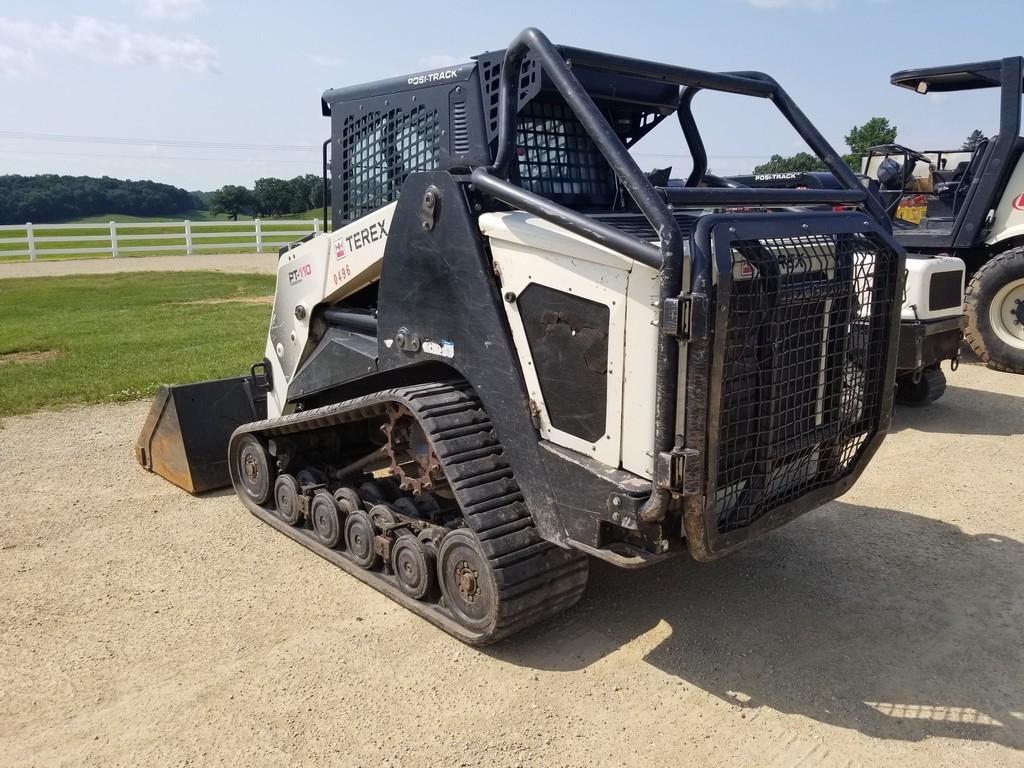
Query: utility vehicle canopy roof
952	77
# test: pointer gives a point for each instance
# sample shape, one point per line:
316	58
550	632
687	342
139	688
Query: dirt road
230	262
141	626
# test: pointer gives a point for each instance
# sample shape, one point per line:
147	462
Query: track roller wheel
413	566
323	511
286	494
359	540
348	500
929	387
467	581
254	469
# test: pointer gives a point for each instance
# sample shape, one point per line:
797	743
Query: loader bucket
185	437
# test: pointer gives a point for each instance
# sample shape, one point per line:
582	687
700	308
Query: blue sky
217	73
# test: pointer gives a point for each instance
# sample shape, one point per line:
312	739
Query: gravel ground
231	262
142	626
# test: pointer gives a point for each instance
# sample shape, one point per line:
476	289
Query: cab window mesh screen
379	150
802	368
555	154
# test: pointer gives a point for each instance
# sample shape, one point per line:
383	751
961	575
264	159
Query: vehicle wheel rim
466	581
1006	313
254	471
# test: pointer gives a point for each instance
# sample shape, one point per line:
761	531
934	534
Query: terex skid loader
514	353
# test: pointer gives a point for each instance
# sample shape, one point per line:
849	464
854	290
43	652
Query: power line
58	137
253	161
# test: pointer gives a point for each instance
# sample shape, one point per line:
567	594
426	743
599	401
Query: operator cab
942	199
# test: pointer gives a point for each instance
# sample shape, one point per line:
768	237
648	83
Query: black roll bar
691	133
655	210
668	258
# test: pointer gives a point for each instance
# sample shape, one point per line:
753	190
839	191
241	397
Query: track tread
534	579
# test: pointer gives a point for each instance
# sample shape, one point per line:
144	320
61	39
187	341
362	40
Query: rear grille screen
802	358
556	156
379	150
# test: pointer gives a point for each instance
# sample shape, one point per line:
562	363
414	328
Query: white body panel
1009	216
322	270
920	270
526	250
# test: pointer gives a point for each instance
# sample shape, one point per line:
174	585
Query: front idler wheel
466	580
323	511
255	471
287	496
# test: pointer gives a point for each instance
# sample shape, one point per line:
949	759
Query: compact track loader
514	352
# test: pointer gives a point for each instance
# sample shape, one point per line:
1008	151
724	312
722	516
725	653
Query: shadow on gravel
895	625
966	412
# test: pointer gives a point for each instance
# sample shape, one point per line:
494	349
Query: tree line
876	131
49	198
270	197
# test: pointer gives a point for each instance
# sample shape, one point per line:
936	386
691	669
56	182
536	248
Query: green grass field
13	241
99	338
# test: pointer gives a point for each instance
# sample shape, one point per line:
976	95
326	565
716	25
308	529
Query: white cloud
322	60
15	63
101	40
177	10
813	5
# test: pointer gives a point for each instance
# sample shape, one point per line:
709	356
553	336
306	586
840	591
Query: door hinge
686	317
679	471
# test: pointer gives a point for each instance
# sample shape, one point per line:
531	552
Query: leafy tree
231	199
273	196
801	162
201	200
973	140
877	130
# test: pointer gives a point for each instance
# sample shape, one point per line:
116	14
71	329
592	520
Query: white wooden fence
33	241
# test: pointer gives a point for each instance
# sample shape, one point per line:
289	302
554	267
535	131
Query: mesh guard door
800	366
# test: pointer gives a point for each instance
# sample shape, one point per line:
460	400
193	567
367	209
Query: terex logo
1018	202
339	250
367	235
297	275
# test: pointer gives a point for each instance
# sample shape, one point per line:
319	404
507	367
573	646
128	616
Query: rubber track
534	579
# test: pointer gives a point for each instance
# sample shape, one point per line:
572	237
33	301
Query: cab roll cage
556	63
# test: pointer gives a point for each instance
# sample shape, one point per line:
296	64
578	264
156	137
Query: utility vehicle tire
925	391
994	302
255	470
